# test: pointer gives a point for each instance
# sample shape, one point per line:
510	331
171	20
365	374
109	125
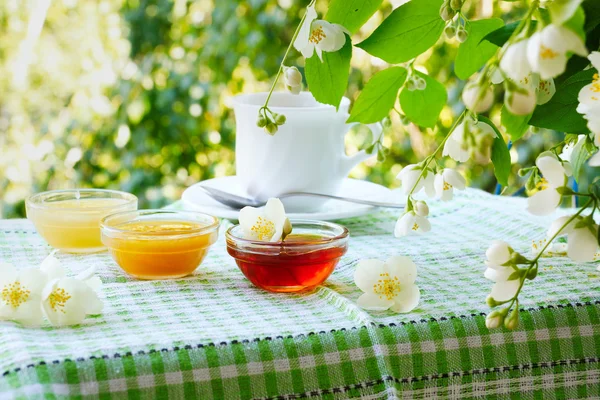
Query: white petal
73	310
8	274
404	224
505	290
372	302
428	184
514	63
367	274
407	299
275	212
545	90
439	185
521	103
582	245
52	267
543	202
301	43
595	160
319	52
454	178
424	224
573	42
533	51
29	313
408	177
551	169
454	149
594	57
93	304
403	268
498	253
33	279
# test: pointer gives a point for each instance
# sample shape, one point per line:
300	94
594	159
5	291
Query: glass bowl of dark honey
302	261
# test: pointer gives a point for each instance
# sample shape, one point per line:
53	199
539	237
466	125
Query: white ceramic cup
307	153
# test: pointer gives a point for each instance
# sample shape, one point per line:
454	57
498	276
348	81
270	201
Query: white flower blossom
267	224
547	50
472	92
514	62
20	294
387	285
503	289
446	181
458	146
582	242
317	35
411	224
411	176
555	174
498	254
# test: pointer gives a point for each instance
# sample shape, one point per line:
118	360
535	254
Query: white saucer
195	198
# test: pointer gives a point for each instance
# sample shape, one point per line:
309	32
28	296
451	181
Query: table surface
214	335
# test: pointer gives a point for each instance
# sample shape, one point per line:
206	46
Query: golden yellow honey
159	249
73	225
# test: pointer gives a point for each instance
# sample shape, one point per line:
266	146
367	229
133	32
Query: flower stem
286	54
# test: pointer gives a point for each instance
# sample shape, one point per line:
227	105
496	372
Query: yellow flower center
386	286
415	227
542	184
447	186
547	53
263	228
596	85
58	298
317	35
14	294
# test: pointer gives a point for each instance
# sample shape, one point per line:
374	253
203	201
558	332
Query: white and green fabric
213	335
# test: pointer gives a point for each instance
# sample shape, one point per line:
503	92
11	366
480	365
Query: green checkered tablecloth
213	335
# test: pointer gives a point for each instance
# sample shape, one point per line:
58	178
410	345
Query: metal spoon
238	202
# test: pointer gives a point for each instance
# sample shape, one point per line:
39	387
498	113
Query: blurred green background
134	94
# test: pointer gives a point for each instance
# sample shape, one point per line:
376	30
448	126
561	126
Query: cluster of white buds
415	83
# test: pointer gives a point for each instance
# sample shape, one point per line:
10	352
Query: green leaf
351	14
560	112
516	125
500	36
576	23
591	10
500	154
327	80
408	31
474	53
378	96
423	107
562	10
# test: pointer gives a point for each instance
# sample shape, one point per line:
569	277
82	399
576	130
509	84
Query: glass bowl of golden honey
69	220
304	260
159	244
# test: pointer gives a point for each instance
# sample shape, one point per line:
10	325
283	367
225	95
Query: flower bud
450	31
261	122
294	89
271	128
280	119
518	259
292	76
490	301
472	93
421	208
420	83
446	12
386	122
456	5
494	320
404	120
411	84
512	321
461	35
521	102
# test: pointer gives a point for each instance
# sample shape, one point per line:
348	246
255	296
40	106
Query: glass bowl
304	260
159	244
69	220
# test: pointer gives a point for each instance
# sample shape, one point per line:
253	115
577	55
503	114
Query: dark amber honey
293	265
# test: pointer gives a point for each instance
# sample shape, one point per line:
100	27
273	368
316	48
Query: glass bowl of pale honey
159	244
302	261
69	220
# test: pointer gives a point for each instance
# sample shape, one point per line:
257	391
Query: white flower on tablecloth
547	50
421	208
446	181
498	254
292	79
471	94
387	285
20	294
503	289
458	144
555	175
267	224
66	300
411	223
319	35
411	175
582	241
